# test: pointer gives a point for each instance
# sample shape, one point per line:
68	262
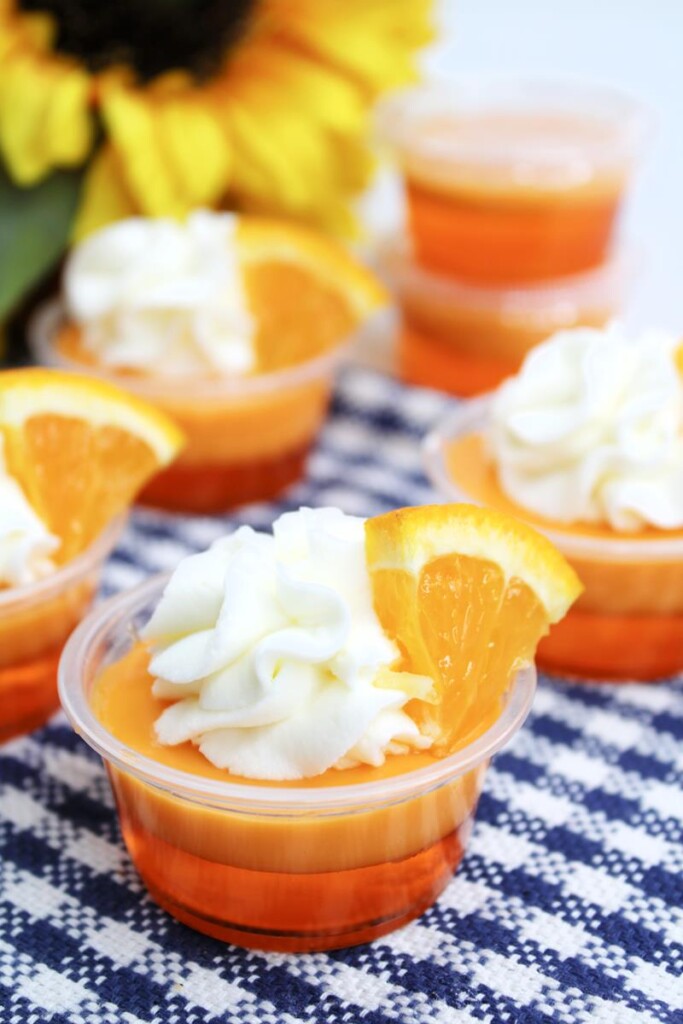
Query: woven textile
567	909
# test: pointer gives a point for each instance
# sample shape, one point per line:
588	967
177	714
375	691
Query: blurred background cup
35	623
466	338
247	438
628	622
512	180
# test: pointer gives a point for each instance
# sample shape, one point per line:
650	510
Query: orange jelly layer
466	351
293	880
475	223
31	639
628	623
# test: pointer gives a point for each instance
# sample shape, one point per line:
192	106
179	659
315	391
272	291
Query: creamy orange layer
626	586
122	701
234	429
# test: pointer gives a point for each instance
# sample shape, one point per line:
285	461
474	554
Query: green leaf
34	230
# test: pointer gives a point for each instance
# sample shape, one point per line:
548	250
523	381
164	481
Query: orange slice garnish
80	449
305	291
466	593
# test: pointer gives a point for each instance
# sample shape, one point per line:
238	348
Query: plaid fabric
567	909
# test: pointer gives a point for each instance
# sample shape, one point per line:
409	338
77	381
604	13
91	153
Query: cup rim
13	598
472	416
117	613
398	115
49	316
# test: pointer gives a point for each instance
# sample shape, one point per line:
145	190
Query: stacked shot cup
514	191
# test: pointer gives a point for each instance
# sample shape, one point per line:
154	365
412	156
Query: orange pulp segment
466	593
306	293
80	448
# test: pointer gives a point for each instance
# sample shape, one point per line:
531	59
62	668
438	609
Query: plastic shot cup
280	866
512	180
466	338
35	622
628	623
247	438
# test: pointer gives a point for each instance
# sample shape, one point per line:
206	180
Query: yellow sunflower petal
105	197
68	129
130	121
173	153
376	46
197	148
25	89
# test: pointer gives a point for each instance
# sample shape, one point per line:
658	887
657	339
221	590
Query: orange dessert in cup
72	454
512	180
586	444
234	327
466	338
297	726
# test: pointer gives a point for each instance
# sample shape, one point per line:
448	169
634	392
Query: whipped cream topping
270	648
162	296
25	542
591	430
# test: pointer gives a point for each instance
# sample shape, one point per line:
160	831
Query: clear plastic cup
247	438
628	623
35	622
466	339
278	866
510	179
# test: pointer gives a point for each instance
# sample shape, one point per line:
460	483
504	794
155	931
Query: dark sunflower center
151	36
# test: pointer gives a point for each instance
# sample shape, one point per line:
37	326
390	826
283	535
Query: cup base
207	488
288	911
614	648
28	693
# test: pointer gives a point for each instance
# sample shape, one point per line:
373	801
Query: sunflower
258	105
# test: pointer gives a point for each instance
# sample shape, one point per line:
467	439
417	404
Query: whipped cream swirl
163	297
591	430
25	542
271	650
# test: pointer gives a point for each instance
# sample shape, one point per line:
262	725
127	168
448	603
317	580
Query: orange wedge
466	593
305	291
80	449
678	357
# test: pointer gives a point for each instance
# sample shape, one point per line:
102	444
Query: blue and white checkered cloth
567	909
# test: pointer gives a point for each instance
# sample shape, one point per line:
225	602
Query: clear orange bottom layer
214	487
32	635
614	647
431	363
499	238
28	693
287	911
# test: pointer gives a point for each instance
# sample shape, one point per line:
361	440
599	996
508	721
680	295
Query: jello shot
514	180
296	763
586	445
233	327
72	454
466	339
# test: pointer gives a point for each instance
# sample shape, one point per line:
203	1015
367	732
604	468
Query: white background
634	44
